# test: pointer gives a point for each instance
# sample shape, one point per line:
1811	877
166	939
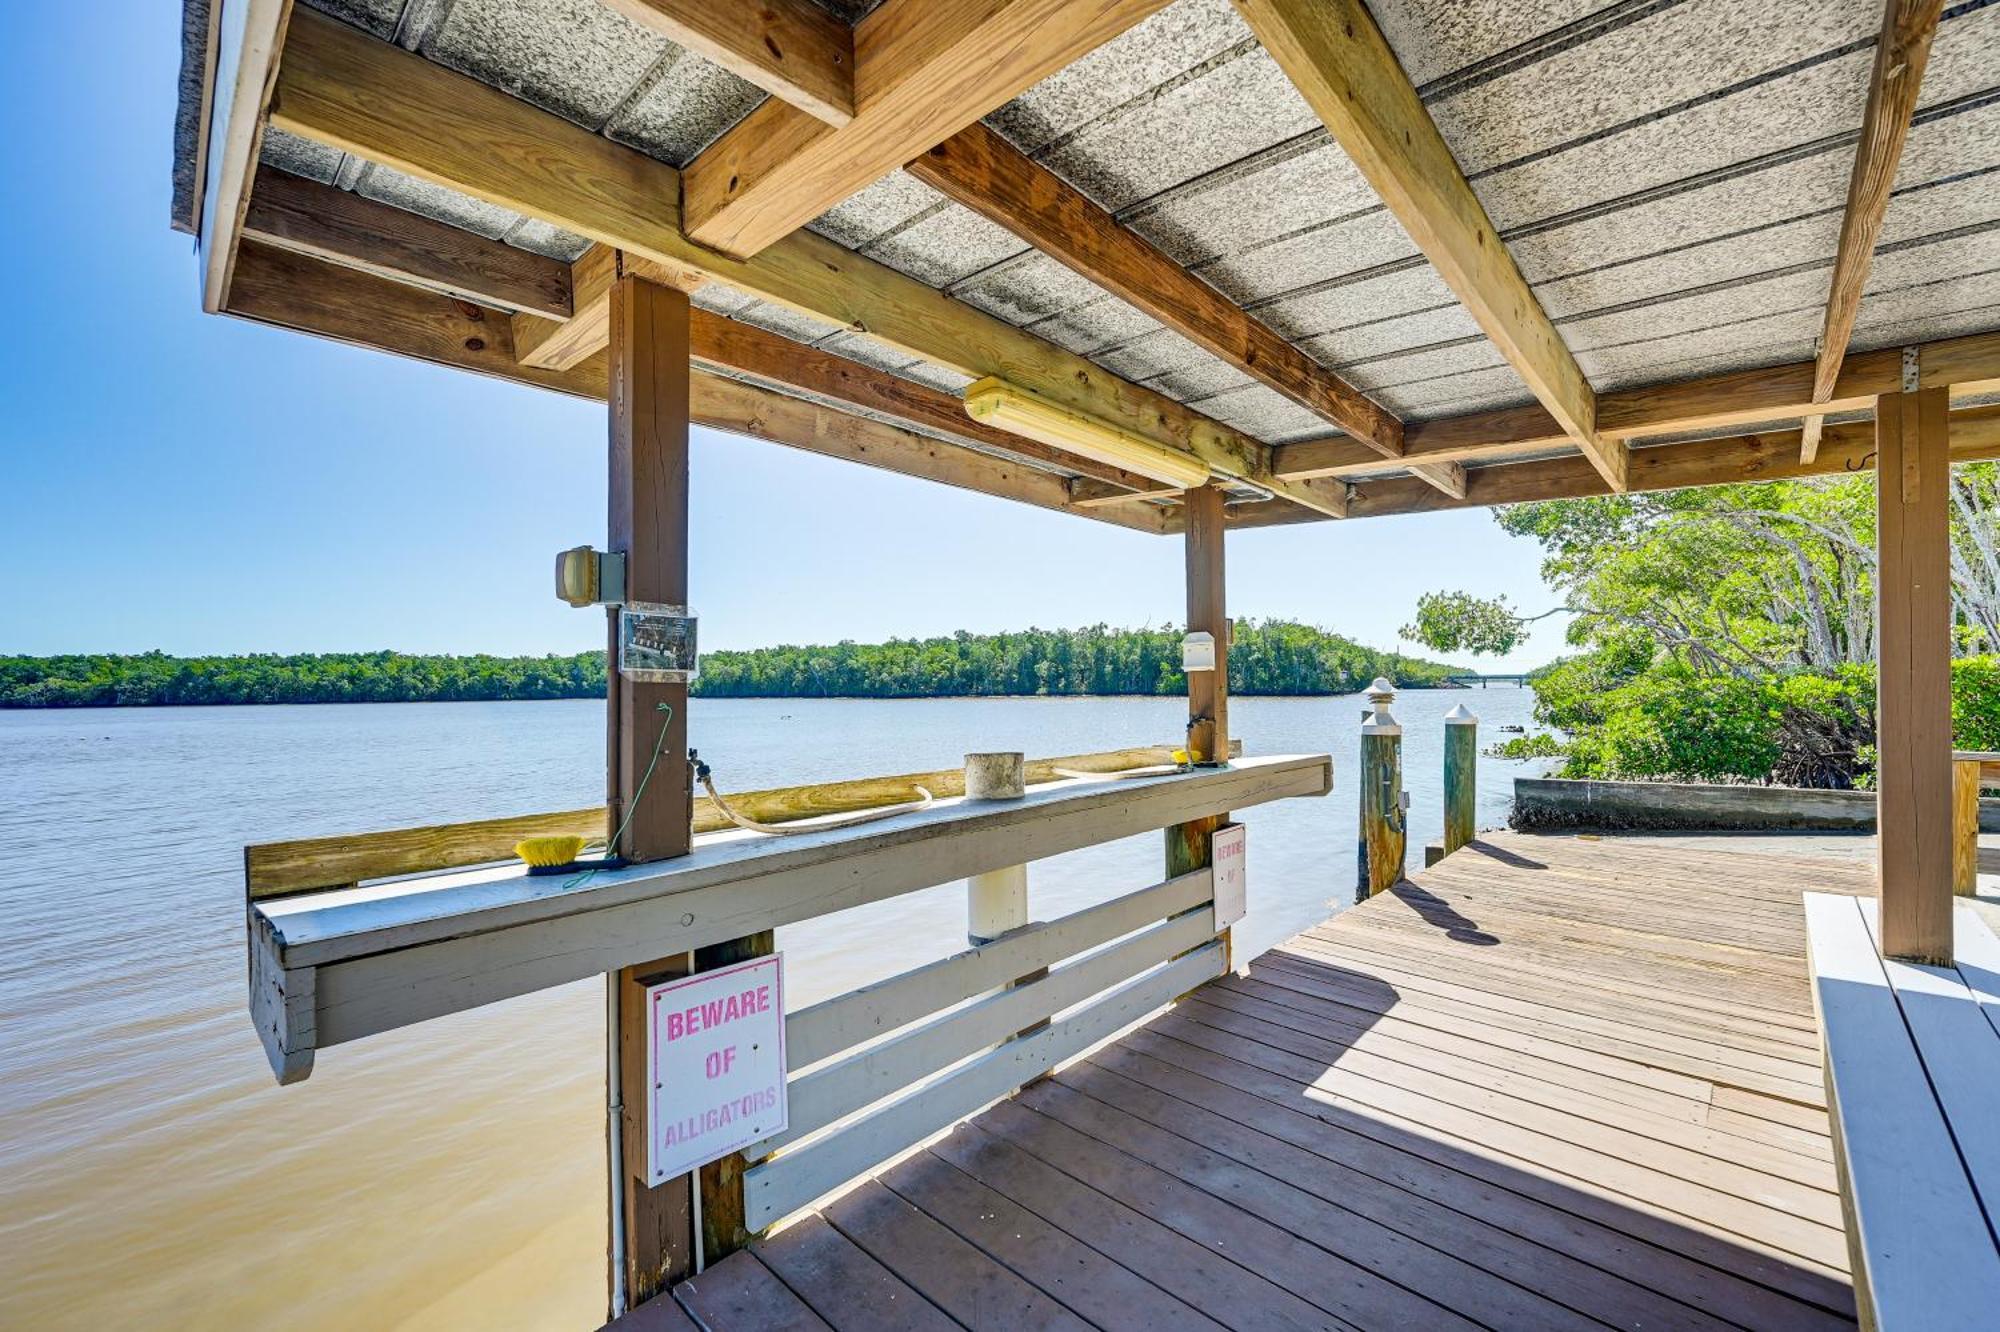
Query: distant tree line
1266	657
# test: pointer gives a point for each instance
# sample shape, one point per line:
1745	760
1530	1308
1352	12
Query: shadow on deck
1554	1082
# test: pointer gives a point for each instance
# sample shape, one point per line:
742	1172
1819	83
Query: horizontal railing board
395	954
832	1093
310	864
780	1186
847	1020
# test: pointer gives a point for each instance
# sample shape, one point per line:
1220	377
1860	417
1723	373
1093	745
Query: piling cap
1381	691
1380	721
1460	715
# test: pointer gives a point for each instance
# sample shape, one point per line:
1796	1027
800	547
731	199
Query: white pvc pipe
614	1105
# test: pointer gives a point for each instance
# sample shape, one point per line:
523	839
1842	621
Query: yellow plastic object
549	850
1009	407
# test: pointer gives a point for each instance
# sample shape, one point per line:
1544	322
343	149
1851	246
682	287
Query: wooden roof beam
983	172
343	88
1901	53
304	216
792	49
1770	455
923	70
1339	61
1966	365
299	292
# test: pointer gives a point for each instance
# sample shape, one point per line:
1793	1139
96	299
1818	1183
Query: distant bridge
1468	681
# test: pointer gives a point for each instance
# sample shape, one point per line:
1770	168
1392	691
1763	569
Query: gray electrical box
656	643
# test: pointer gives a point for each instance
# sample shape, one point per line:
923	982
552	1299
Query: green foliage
1461	622
1265	657
153	678
1683	726
1269	657
1540	745
1975	703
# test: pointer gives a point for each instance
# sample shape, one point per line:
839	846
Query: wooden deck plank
739	1291
1335	1277
1579	1262
843	1285
1216	1284
947	1271
1556	1082
1444	1277
1066	1269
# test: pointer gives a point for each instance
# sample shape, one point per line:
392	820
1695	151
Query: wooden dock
1554	1082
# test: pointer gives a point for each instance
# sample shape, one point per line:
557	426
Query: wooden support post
1461	777
1964	826
1207	612
1208	691
648	521
1913	696
1384	838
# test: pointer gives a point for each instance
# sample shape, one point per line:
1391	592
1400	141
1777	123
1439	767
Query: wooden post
996	901
1208	691
1383	840
1461	777
1913	696
648	522
1965	826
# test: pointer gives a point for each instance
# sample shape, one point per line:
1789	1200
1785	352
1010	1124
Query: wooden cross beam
1340	62
299	292
1901	53
343	88
923	69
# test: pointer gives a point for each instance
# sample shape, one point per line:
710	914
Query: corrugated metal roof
1669	175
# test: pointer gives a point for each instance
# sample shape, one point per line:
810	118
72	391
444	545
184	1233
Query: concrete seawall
1545	803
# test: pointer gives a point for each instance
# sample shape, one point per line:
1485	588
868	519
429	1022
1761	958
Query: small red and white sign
1225	856
715	1064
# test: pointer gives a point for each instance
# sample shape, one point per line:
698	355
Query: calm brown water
448	1175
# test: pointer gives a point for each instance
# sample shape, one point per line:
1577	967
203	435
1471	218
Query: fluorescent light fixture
1000	404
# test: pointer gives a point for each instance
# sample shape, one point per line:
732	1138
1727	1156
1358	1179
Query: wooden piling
1461	777
1187	844
1384	838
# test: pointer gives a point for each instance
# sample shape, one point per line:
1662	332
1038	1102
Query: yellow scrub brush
550	855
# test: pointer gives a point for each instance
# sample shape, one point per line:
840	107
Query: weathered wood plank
781	1186
845	1021
843	1285
739	1291
272	868
249	40
827	1094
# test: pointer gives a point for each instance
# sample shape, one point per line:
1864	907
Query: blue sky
201	484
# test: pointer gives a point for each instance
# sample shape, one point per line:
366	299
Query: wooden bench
1913	1087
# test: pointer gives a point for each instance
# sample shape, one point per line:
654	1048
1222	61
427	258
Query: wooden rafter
303	215
296	291
1770	455
983	172
1967	366
1339	61
923	69
1901	53
343	88
792	49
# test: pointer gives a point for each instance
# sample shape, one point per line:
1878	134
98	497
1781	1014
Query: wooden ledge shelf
331	967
